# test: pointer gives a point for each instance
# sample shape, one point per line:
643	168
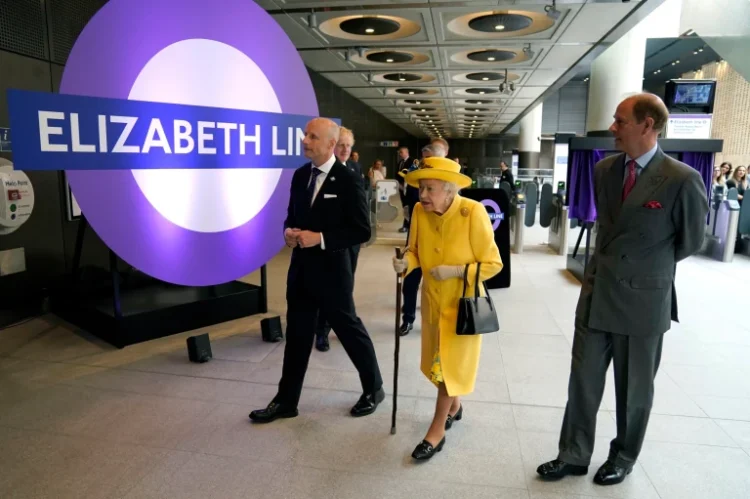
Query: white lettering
75	134
227	127
203	137
154	129
129	122
300	138
102	133
276	150
290	140
45	131
182	131
244	139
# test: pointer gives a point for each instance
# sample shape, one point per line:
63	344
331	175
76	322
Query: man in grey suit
651	214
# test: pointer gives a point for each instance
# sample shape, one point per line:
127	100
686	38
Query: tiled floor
79	419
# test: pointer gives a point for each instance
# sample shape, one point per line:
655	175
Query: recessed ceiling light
695	52
411	93
485	79
481	93
490	58
423	110
499	27
700	50
417	102
389	60
402	79
370	30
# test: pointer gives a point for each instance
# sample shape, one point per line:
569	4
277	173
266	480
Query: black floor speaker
199	348
271	329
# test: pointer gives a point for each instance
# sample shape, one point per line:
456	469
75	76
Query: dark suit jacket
628	285
340	213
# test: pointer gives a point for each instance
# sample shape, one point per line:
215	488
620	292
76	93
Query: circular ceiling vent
484	76
411	91
402	77
389	57
369	26
481	91
500	23
492	55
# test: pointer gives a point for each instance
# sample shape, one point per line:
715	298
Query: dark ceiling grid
561	46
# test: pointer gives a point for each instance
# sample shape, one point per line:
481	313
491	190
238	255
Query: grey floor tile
538	380
683	471
725	407
686	430
549	420
739	431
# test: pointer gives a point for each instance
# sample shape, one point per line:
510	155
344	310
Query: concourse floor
80	419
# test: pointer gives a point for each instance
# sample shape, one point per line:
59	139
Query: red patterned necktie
630	180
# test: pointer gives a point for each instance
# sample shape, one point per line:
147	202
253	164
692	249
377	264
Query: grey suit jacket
628	284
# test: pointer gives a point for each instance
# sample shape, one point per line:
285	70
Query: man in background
438	148
342	152
506	175
404	162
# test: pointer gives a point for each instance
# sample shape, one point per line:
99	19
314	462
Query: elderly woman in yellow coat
448	232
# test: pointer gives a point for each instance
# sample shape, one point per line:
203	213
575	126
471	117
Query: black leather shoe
609	474
425	450
368	403
403	229
321	343
555	470
273	412
405	328
456	417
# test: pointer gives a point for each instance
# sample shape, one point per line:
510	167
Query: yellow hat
436	168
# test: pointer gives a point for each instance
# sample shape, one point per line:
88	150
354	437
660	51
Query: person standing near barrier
404	161
327	215
342	152
438	148
651	214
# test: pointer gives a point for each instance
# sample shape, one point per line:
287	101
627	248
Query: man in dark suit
327	215
651	214
439	148
342	152
506	175
404	162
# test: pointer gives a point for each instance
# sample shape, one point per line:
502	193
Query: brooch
333	179
465	212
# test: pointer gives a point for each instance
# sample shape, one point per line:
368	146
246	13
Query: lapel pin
333	179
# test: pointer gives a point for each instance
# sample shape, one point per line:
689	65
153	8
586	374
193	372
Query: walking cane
399	281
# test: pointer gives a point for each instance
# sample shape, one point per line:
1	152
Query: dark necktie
311	186
629	180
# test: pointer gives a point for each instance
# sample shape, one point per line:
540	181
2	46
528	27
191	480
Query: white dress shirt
641	162
325	168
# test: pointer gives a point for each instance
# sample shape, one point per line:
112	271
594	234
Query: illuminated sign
495	213
178	124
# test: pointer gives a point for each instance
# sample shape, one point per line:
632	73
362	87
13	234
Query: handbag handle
476	284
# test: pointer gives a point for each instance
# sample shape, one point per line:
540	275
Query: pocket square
329	196
653	205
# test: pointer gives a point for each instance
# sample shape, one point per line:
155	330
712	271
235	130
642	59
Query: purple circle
496	207
106	61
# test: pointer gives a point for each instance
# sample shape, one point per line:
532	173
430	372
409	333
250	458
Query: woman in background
726	169
376	172
739	182
718	183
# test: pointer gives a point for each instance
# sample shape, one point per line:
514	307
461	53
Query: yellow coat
462	235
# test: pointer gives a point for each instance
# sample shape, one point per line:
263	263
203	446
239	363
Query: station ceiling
448	68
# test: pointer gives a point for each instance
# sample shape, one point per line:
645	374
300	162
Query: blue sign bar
69	132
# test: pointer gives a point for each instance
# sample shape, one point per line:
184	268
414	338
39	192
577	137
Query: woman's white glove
443	272
399	265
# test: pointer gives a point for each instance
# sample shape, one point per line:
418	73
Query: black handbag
476	315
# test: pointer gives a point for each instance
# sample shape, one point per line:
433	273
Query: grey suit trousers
636	361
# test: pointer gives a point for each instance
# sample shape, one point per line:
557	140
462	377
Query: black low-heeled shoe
425	450
456	417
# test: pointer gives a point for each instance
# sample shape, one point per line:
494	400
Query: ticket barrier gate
517	221
559	227
721	235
